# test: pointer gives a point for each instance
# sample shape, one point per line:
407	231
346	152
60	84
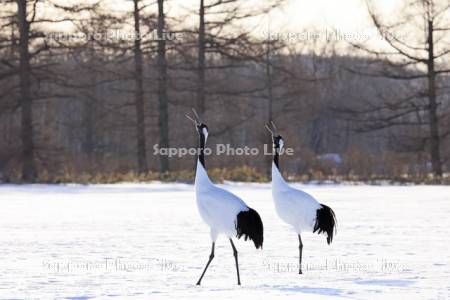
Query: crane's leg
300	249
211	256
235	253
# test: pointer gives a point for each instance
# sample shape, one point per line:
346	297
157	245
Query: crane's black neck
201	153
277	146
276	157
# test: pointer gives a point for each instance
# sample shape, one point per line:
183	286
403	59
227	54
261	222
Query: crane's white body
217	207
224	212
295	207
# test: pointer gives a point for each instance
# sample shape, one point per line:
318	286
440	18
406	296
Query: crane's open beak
196	119
274	131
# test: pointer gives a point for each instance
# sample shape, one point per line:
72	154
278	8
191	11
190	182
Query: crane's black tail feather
249	225
326	222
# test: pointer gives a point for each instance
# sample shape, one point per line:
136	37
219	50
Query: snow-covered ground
147	241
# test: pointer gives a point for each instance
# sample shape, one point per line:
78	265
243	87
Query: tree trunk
90	108
434	122
28	163
88	123
269	105
139	94
201	60
162	89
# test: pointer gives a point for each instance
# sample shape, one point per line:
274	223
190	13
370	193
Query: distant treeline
93	109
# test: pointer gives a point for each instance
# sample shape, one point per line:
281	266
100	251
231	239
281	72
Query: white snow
147	241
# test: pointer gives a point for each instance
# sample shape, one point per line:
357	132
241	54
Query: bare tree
163	120
139	93
31	44
420	60
29	167
201	59
215	38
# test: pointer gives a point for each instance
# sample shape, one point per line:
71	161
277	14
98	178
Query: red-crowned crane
221	210
295	207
